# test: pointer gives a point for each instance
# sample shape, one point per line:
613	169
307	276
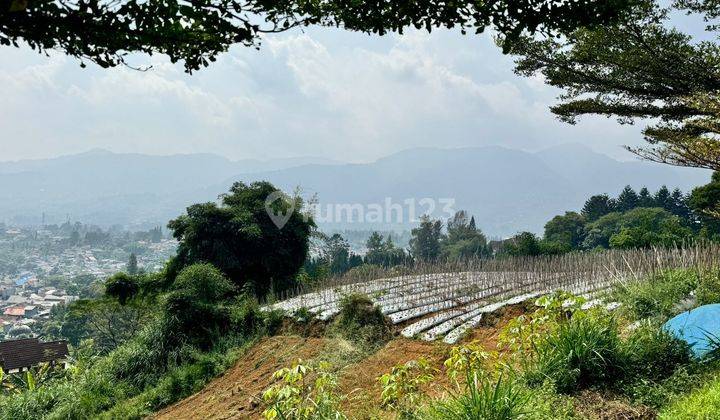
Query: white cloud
323	92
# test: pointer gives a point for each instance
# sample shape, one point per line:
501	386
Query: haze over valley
506	190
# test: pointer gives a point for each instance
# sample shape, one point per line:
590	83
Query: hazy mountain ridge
507	190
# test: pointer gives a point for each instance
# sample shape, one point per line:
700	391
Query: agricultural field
446	301
575	337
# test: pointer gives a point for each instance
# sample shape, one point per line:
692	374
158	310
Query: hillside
507	190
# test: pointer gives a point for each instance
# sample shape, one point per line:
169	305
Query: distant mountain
117	188
507	190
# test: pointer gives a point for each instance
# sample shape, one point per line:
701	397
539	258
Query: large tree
567	230
705	201
241	239
464	240
197	31
425	240
639	67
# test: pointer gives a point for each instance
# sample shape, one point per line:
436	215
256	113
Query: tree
132	265
645	227
679	205
522	244
196	32
375	249
567	230
598	206
239	237
639	66
425	240
662	198
105	321
627	200
645	199
463	241
705	202
122	286
640	227
598	233
337	255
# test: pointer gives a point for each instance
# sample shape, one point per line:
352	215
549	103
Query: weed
401	387
483	398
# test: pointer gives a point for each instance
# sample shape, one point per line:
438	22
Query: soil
597	405
238	393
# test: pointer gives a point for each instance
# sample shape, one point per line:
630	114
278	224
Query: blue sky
319	92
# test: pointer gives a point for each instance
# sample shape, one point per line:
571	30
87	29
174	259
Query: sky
319	92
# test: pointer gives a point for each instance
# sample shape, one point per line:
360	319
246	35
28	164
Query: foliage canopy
197	31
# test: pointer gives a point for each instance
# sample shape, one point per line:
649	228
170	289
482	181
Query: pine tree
597	206
662	198
645	199
679	205
627	200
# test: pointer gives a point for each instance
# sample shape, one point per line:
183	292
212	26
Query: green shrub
173	355
196	308
708	290
484	398
581	352
401	387
652	354
122	286
246	317
361	321
658	295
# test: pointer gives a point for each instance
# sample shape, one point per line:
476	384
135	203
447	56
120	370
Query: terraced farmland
445	301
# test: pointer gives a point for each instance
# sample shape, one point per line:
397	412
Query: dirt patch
596	405
359	380
238	393
488	332
312	328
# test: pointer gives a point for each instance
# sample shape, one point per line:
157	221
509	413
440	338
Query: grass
580	352
700	404
658	296
484	398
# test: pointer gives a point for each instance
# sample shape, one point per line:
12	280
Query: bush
401	386
296	396
580	352
122	286
652	354
484	398
195	309
361	321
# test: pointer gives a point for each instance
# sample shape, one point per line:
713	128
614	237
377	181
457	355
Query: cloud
321	92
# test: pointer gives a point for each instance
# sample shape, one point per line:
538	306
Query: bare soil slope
238	393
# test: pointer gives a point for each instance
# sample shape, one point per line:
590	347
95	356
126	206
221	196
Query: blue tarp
696	327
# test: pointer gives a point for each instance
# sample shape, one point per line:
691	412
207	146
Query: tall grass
484	398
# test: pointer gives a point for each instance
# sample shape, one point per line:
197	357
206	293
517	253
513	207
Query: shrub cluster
362	322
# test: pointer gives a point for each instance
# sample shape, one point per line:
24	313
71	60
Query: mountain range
506	190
